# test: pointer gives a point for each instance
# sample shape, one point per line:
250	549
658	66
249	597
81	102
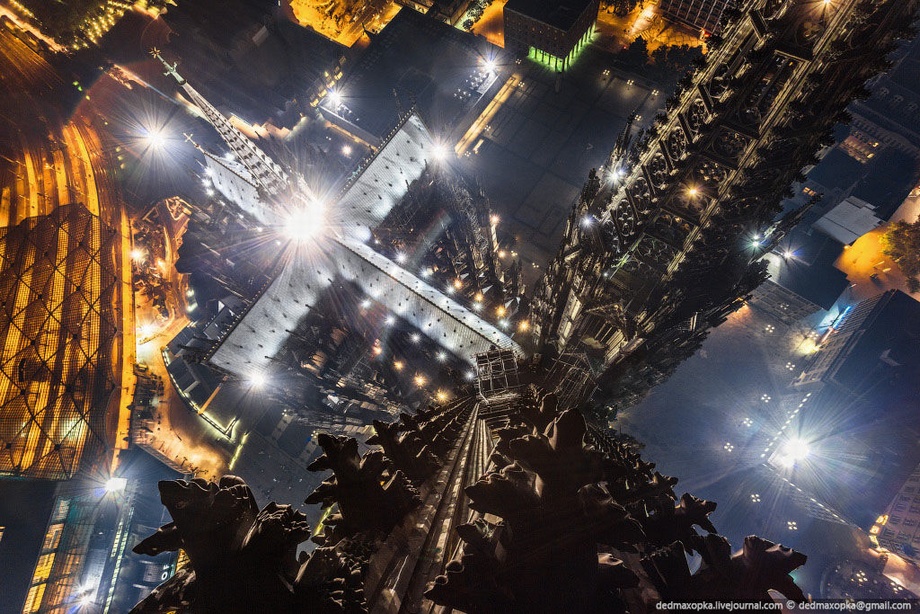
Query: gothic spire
265	172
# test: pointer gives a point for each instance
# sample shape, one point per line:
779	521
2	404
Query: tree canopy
902	243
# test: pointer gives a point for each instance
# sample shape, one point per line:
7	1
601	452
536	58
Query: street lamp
439	151
336	99
115	484
793	452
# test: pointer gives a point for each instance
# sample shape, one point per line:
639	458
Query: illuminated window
43	568
63	507
53	537
34	599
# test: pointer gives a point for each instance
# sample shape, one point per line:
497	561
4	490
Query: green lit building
551	32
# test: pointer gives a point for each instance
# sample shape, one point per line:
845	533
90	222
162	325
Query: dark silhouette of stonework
366	499
562	525
243	559
562	518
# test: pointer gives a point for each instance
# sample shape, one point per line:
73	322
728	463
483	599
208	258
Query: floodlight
154	139
793	452
306	222
115	485
439	152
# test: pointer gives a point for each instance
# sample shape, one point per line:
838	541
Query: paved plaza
536	151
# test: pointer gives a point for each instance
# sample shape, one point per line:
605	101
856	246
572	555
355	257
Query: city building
522	516
448	11
325	243
84	558
870	342
80	26
665	231
548	31
702	15
848	221
447	74
802	278
857	410
890	117
898	529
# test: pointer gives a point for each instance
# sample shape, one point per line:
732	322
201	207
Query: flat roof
821	284
414	60
848	221
558	14
890	335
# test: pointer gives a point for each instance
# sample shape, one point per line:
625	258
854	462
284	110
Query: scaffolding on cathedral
572	379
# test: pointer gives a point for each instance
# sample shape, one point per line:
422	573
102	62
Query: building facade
797	288
666	231
515	539
83	562
878	334
550	32
898	530
333	247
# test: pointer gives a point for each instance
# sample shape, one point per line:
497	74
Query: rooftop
414	60
821	284
558	14
889	335
848	221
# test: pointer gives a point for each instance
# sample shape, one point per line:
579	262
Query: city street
710	423
491	25
180	436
